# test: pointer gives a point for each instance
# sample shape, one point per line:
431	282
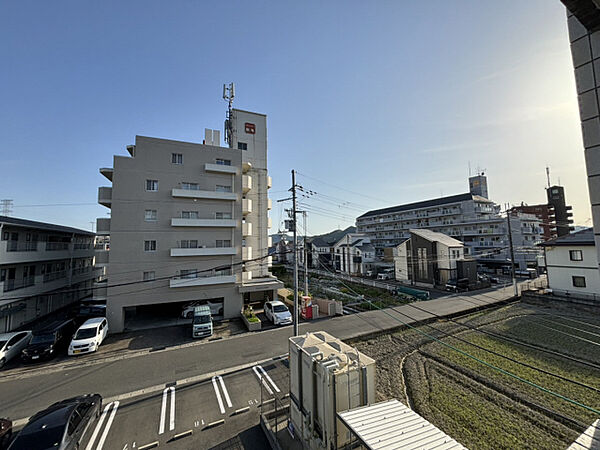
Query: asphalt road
140	379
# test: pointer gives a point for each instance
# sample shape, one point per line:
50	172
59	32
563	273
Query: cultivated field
456	375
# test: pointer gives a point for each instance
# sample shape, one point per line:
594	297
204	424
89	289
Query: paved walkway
25	394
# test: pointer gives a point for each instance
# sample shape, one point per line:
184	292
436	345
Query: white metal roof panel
392	425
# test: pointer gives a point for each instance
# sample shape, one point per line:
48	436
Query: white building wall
561	269
401	262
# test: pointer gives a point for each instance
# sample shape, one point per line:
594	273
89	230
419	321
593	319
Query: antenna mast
548	175
228	96
6	206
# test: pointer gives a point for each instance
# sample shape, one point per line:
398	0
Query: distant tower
6	206
228	96
478	185
562	212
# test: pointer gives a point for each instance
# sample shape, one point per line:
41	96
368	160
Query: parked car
494	280
89	336
278	313
48	341
5	432
454	285
65	425
216	308
202	323
11	345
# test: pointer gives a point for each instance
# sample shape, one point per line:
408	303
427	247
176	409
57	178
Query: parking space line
114	406
218	394
163	410
225	393
266	375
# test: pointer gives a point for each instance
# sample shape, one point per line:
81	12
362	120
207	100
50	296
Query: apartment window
242	146
152	185
223	243
223	272
149	275
189	243
176	158
149	246
189	186
150	215
5	236
223	215
189	214
222	188
578	281
576	255
188	273
223	162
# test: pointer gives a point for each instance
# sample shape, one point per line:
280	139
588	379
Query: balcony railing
56	246
82	270
12	285
55	276
16	246
82	246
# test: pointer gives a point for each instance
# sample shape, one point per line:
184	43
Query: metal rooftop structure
391	425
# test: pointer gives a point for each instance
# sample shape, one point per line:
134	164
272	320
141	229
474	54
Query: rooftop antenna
228	96
548	175
469	169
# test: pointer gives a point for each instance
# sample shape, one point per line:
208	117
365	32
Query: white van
89	336
386	274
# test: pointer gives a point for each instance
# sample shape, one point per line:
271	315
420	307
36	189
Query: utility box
327	376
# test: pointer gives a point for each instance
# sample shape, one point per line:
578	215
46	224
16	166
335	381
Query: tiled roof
583	237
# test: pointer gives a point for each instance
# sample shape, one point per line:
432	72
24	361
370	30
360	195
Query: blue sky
389	100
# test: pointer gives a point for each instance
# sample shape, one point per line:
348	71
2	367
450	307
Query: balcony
201	281
55	276
101	258
246	253
103	226
246	276
17	246
209	195
246	183
269	204
220	168
269	182
269	261
270	241
13	285
246	166
246	206
246	229
105	196
269	222
107	172
213	223
204	251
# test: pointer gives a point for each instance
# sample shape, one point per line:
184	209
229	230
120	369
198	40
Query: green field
480	406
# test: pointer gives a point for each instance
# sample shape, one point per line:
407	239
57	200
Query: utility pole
305	257
295	253
512	252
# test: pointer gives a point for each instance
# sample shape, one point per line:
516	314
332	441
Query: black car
63	426
49	341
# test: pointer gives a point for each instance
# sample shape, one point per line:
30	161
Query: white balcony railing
201	281
269	182
246	183
215	223
246	229
246	253
210	195
203	251
269	204
220	168
246	206
246	276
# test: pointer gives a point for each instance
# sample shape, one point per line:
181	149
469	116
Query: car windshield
280	308
42	339
86	333
46	438
201	319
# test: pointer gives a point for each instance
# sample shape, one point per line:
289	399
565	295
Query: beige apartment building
189	222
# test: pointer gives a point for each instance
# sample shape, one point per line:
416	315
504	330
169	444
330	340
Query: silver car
11	345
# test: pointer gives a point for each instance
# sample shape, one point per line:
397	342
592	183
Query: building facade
353	254
190	221
572	264
43	267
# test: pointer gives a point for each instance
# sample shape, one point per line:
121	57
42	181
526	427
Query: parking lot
207	414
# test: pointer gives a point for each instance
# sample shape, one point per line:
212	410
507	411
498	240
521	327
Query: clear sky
389	100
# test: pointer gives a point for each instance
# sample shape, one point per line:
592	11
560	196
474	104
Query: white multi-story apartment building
43	267
190	221
471	218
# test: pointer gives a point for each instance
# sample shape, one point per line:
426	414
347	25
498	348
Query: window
223	162
152	185
150	215
188	273
576	255
223	243
242	146
189	186
149	275
189	244
222	188
5	236
189	214
223	215
176	158
578	281
149	246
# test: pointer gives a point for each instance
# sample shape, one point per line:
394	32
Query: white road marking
266	375
225	393
260	379
218	394
163	410
114	406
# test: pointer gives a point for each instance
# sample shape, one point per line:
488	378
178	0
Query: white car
216	309
89	336
11	345
278	313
